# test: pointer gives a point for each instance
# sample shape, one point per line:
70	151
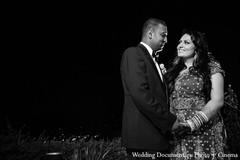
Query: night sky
62	63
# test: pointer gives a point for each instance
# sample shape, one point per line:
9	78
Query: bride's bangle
197	121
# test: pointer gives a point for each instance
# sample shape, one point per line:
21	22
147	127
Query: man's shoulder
134	51
131	48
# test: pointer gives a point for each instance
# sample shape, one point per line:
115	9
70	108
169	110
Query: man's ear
150	34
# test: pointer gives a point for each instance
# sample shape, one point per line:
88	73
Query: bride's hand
185	124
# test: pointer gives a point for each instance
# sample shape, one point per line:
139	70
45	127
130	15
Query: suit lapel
145	51
166	89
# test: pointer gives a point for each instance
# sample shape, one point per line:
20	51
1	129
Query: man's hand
183	128
176	125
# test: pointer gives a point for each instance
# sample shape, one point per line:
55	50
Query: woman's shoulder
215	67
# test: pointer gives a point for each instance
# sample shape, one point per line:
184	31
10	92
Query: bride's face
186	48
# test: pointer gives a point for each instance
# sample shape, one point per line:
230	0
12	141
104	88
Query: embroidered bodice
188	89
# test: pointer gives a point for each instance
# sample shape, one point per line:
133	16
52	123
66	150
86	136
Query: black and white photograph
120	80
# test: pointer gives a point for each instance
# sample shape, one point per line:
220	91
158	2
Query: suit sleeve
134	72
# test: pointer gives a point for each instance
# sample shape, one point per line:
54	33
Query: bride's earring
196	55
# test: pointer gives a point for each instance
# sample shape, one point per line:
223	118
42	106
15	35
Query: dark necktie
155	55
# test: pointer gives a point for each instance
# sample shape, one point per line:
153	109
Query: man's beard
161	48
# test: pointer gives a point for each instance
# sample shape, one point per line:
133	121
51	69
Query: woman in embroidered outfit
196	84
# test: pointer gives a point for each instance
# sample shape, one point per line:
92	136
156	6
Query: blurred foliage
231	118
14	145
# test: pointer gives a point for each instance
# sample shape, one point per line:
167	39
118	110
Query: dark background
61	63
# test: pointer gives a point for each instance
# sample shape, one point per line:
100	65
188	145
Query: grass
15	145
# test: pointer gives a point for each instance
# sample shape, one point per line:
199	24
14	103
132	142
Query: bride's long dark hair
200	65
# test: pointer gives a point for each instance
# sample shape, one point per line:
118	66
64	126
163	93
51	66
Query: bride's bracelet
197	121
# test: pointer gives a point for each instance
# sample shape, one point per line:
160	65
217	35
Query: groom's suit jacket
146	115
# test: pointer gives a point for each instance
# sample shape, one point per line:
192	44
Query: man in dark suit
146	116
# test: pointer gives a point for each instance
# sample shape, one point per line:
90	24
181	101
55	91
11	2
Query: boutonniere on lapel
162	67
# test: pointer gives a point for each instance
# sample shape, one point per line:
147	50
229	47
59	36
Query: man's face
160	37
